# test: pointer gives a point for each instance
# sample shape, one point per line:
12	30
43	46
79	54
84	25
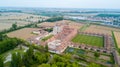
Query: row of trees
1	61
15	27
54	19
49	29
109	15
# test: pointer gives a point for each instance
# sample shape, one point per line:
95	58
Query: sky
108	4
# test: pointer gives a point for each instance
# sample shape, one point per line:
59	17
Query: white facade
56	30
36	32
54	44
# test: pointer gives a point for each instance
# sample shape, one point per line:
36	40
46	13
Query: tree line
53	19
16	27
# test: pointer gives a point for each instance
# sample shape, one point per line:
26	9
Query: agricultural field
71	24
23	33
117	38
7	19
52	24
106	28
88	40
5	26
98	30
75	25
46	24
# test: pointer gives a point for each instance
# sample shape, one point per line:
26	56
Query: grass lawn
87	39
46	38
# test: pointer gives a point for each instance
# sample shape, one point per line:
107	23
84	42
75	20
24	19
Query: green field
46	38
87	39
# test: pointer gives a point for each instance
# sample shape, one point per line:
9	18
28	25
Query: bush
97	54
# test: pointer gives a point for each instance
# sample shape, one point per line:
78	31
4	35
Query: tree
9	43
28	57
39	21
46	48
75	65
60	64
1	62
97	54
36	25
67	56
19	57
119	50
44	65
94	65
16	60
2	37
53	19
54	65
49	29
41	58
14	26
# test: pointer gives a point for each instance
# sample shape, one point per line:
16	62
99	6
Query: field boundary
115	42
84	27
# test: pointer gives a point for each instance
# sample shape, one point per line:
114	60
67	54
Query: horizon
62	4
61	8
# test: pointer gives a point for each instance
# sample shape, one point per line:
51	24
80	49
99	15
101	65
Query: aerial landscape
58	33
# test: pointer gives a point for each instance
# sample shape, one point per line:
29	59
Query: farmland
71	24
117	38
87	39
23	33
46	24
106	28
7	19
98	30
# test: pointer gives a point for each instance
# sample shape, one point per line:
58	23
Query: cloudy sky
111	4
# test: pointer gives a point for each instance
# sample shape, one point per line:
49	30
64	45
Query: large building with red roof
59	42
